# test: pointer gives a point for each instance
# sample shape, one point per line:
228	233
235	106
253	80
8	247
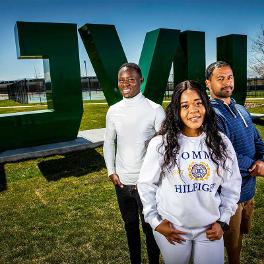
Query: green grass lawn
6	103
257	93
63	209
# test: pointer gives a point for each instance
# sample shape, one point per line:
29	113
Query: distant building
90	83
255	84
38	86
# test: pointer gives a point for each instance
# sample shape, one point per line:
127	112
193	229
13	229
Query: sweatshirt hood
234	111
219	102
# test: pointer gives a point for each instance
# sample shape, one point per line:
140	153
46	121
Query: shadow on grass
3	185
258	121
73	164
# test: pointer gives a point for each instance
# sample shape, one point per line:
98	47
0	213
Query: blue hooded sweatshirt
235	121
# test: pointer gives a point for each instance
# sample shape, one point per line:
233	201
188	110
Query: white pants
197	246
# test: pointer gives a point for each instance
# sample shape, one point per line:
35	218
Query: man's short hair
133	66
211	67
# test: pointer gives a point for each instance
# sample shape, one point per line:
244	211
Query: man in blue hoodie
235	121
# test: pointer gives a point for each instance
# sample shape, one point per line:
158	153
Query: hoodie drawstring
245	123
234	115
243	119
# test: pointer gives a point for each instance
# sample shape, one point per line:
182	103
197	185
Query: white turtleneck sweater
129	124
188	195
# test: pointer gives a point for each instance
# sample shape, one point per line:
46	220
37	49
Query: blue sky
132	20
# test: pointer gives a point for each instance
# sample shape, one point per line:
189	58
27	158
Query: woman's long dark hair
172	126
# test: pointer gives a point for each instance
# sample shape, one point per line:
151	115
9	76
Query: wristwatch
223	225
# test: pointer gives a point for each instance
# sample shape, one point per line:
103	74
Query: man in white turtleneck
129	124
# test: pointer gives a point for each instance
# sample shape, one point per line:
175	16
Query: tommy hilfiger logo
198	171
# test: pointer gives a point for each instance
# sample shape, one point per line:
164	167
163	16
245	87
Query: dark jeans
131	208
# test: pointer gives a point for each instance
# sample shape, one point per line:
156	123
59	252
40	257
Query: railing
33	91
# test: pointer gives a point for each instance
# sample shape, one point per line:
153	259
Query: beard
226	92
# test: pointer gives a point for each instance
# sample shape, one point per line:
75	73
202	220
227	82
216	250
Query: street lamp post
87	79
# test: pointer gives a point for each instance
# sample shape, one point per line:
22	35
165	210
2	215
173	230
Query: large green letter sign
155	61
161	47
233	49
106	54
189	62
57	44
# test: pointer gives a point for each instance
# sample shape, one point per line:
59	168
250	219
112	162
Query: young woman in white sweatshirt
190	182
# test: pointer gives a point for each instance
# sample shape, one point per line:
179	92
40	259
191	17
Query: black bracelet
225	227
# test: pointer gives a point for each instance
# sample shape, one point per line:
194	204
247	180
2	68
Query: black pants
131	208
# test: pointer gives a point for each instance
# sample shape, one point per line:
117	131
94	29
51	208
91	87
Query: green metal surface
57	44
155	61
106	55
233	49
189	61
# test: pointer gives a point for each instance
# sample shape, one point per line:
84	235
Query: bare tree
257	59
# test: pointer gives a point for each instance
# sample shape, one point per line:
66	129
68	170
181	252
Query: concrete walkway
256	116
40	105
86	139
